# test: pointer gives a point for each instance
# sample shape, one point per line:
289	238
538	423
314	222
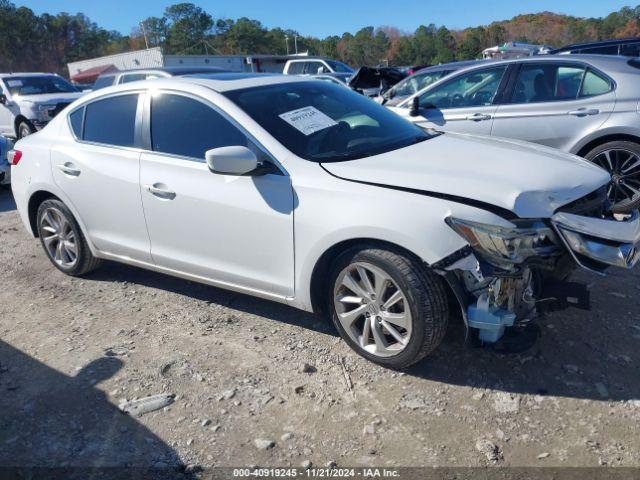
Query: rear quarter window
76	120
594	84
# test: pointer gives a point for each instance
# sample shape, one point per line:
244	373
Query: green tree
188	26
471	43
424	45
445	46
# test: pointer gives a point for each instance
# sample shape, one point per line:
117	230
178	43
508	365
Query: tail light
14	156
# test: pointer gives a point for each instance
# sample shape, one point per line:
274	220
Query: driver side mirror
236	160
415	107
3	99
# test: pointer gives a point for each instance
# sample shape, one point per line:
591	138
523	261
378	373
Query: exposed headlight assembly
504	246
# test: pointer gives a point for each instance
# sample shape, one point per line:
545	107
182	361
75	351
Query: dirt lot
72	349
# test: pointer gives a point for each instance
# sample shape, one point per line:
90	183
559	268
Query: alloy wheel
58	238
624	168
372	309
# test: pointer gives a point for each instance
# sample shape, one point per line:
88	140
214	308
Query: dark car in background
126	76
628	47
372	81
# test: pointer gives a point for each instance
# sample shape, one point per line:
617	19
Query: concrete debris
263	444
504	402
490	450
145	405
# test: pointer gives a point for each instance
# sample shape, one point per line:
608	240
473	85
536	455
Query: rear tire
25	127
622	160
395	327
63	241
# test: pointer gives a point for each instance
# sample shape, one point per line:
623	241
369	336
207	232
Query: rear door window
295	68
547	82
133	77
111	121
608	50
630	50
311	68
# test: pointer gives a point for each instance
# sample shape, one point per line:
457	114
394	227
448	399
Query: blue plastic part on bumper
490	321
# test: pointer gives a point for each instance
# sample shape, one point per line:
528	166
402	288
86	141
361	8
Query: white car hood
50	98
529	180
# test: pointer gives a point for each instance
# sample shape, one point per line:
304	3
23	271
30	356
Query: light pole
144	34
295	42
286	40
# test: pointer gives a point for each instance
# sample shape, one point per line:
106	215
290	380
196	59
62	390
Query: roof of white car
224	82
218	82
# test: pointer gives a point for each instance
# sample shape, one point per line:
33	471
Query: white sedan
306	193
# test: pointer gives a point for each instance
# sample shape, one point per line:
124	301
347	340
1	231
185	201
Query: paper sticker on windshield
308	120
14	83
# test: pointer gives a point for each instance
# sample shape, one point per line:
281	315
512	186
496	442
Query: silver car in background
422	79
582	104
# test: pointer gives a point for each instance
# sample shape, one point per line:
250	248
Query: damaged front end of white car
509	276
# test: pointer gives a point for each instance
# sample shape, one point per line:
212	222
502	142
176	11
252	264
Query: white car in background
317	66
307	193
28	101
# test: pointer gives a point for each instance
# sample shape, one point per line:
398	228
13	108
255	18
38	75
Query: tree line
48	42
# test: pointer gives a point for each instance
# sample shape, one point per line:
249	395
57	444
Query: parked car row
582	104
116	78
5	167
397	227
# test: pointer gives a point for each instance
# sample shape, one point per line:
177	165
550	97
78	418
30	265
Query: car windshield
339	67
23	86
411	85
323	122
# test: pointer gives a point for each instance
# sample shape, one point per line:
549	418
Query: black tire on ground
86	262
424	290
626	149
25	127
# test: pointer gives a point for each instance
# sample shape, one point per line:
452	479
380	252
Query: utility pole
295	41
286	40
144	34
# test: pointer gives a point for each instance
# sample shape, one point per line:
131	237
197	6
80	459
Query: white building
86	71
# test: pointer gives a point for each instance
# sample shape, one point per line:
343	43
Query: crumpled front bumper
596	243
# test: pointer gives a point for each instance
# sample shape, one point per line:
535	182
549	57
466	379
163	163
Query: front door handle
583	112
69	168
477	117
160	190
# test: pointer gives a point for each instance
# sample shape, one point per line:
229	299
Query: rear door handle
69	169
160	190
476	117
583	112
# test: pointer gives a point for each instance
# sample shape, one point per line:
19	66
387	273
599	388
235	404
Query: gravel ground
258	383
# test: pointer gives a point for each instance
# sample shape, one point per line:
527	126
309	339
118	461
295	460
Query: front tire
62	239
622	160
24	128
387	305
